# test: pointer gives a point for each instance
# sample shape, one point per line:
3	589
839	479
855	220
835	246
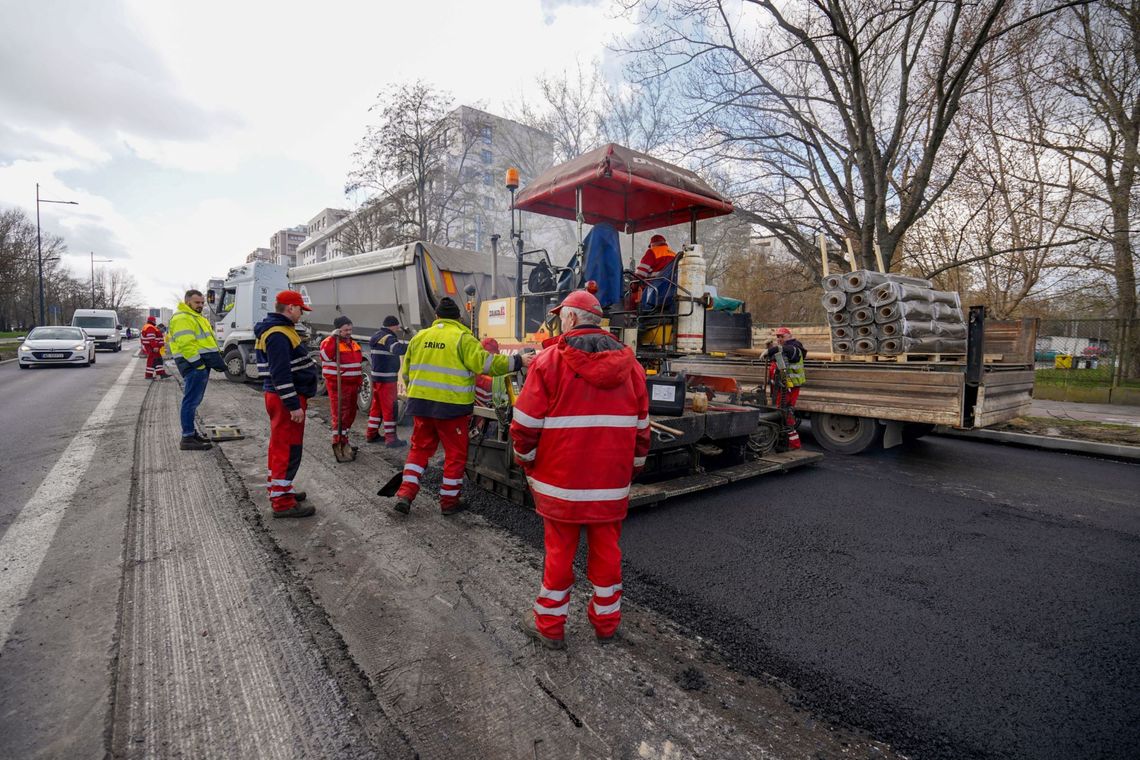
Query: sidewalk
1111	414
1116	414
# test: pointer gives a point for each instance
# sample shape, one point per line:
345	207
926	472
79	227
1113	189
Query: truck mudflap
648	494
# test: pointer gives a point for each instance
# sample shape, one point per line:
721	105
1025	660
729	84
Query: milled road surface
956	599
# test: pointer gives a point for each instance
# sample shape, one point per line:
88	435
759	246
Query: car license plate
55	356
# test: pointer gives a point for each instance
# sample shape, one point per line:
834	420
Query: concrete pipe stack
874	313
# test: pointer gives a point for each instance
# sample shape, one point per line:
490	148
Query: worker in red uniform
341	364
152	342
656	258
580	431
787	380
384	351
289	381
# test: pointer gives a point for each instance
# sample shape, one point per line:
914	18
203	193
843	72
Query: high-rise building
322	237
284	243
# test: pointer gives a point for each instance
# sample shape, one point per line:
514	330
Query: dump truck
406	280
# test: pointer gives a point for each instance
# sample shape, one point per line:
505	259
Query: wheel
912	431
25	366
364	395
844	434
118	347
235	365
94	358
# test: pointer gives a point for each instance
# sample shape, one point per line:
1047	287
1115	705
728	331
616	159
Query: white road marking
25	544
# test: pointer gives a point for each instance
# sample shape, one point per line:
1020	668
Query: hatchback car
57	345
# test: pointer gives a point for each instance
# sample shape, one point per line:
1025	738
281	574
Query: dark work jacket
385	350
794	351
283	361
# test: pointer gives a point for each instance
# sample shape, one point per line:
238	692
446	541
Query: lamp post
39	245
93	260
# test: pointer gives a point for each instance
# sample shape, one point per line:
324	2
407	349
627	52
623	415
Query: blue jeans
193	390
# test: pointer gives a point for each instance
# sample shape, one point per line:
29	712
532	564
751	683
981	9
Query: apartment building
284	243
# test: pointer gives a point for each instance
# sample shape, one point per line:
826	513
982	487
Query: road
953	599
957	599
67	444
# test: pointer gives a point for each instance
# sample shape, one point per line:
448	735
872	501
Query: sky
189	133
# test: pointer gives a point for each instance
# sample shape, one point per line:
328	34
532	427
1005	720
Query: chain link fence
1095	360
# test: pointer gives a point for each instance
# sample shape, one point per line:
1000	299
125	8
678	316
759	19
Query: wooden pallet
913	358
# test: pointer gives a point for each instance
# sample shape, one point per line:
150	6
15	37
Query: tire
25	366
364	395
94	357
235	365
118	347
843	434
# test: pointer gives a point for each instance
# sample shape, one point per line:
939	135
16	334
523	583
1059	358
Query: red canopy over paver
630	190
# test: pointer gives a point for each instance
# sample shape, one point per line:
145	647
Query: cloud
80	65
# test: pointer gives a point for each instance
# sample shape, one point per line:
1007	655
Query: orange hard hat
580	299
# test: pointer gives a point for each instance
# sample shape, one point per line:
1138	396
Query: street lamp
93	260
39	245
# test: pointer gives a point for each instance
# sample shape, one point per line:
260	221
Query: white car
57	345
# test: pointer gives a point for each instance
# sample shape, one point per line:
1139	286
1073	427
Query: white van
102	325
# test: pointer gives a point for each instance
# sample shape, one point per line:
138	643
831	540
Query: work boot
372	439
403	505
454	509
300	495
530	628
396	444
191	443
201	438
297	510
617	635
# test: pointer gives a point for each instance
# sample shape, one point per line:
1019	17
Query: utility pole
101	261
39	245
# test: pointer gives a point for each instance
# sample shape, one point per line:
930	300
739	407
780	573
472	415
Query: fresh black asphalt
955	598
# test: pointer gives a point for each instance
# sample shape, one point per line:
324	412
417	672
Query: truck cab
237	303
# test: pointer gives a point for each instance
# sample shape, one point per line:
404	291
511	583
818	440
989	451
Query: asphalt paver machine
703	435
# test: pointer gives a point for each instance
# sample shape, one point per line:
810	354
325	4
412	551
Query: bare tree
832	116
1087	109
415	162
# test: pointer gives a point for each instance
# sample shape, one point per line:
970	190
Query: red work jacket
351	359
151	339
580	428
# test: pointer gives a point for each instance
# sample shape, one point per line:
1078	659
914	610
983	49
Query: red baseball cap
580	299
783	331
292	298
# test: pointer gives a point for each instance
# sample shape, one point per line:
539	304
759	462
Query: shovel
389	489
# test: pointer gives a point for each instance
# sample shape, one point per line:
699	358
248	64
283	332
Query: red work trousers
346	403
427	434
154	365
786	399
382	412
603	568
286	439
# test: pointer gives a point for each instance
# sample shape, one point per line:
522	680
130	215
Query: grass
1101	377
13	333
1083	430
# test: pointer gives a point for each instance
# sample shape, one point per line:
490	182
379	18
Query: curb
1066	445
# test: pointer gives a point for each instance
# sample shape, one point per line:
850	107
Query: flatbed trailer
858	403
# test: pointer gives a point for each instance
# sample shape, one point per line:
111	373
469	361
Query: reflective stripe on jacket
440	368
151	339
580	428
351	359
384	352
191	335
283	361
